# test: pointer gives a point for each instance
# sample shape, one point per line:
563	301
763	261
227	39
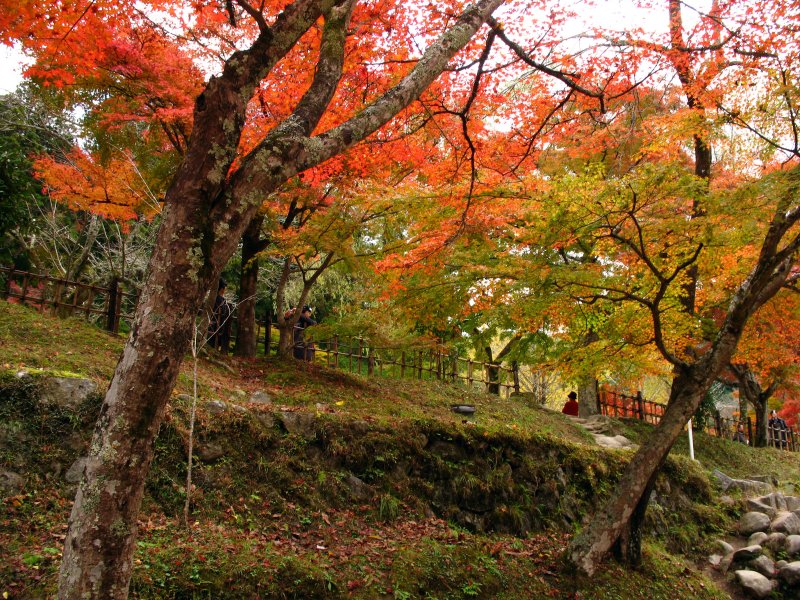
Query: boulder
216	407
11	482
75	473
758	538
725	563
755	583
786	522
746	554
209	451
715	559
752	522
751	486
775	541
261	397
789	574
724	547
755	505
780	564
359	489
266	419
764	565
67	392
237	408
299	423
792	544
792	503
775	500
722	480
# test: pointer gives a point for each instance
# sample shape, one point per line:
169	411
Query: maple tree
295	87
767	359
217	190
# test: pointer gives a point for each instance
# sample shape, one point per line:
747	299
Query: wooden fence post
469	372
370	361
9	281
515	374
336	350
24	288
419	364
350	355
640	404
454	360
268	336
402	364
113	306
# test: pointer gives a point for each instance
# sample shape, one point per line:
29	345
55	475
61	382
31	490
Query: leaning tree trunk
689	387
604	531
102	529
246	341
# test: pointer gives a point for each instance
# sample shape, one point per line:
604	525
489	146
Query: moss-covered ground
385	494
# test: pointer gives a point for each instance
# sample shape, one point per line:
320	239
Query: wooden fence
432	362
111	305
107	305
615	404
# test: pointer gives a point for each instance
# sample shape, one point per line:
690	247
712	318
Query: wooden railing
615	404
107	305
433	362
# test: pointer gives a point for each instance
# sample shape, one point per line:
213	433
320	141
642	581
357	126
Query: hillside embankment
311	483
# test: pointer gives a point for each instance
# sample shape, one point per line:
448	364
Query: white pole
691	442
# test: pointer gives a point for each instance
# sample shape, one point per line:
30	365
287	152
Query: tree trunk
286	339
750	390
628	548
246	341
762	421
493	374
628	499
102	527
587	397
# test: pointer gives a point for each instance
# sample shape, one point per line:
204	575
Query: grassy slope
267	524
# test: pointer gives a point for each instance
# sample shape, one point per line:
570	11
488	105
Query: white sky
11	65
617	14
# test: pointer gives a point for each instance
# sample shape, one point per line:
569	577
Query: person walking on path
571	406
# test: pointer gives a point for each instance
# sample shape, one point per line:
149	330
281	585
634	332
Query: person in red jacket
571	406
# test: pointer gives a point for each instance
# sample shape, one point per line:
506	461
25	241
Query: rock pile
601	429
770	559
